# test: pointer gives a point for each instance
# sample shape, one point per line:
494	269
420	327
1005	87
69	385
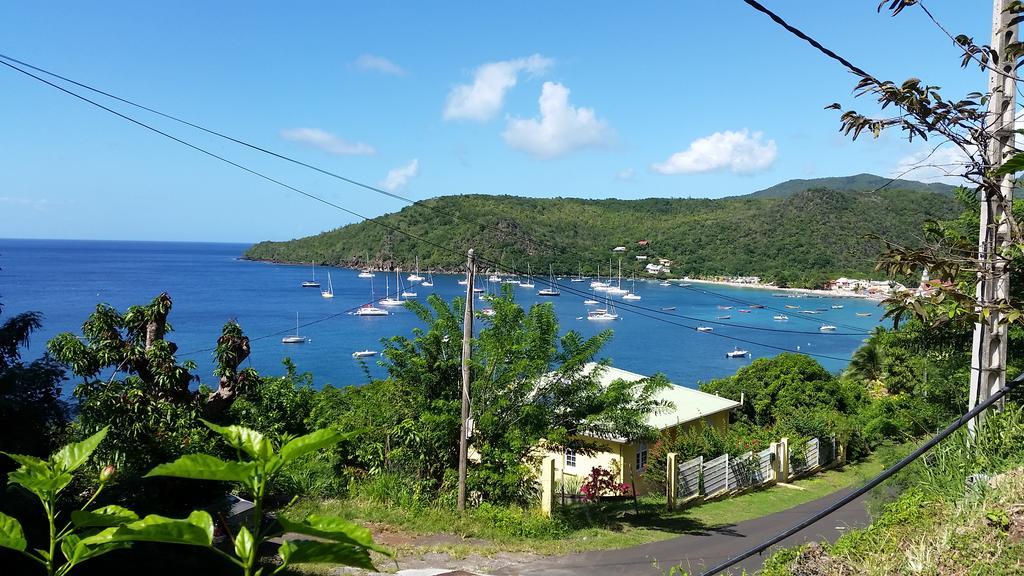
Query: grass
487	530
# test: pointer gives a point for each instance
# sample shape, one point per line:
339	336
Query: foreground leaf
333	528
72	456
244	544
247	440
76	552
310	443
205	467
11	534
103	517
196	530
312	552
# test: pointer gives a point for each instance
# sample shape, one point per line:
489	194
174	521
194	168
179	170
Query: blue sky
589	99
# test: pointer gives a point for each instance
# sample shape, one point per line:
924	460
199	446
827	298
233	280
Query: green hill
858	183
799	240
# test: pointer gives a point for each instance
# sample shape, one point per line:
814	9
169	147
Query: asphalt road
695	552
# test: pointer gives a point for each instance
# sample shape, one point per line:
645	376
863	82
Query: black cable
552	247
874	481
796	32
498	266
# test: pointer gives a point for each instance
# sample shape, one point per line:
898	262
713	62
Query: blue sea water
209	285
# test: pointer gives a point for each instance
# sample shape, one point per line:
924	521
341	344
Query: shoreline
795	291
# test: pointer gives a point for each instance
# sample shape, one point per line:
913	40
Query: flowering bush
600	483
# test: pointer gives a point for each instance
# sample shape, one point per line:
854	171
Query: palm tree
867	362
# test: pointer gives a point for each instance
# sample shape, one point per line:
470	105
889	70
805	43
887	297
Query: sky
593	99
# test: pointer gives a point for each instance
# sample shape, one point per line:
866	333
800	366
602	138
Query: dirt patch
389	536
815	561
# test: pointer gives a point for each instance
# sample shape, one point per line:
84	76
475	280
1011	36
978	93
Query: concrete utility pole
467	333
988	354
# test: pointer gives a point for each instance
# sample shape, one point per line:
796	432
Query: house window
570	458
641	458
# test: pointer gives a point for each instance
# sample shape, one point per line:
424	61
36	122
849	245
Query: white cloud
561	128
482	99
626	175
397	178
38	204
738	152
378	64
327	142
943	165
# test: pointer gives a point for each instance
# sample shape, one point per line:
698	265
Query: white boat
329	293
665	284
685	285
837	306
429	281
294	339
596	282
364	353
780	317
312	283
827	328
632	295
618	289
415	277
737	353
724	317
408	294
725	307
529	278
494	278
370	310
550	290
863	314
812	311
463	282
602	314
389	300
367	272
589	302
578	278
705	329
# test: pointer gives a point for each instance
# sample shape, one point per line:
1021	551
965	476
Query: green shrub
519	522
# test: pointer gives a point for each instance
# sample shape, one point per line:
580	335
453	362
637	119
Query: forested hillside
859	182
800	239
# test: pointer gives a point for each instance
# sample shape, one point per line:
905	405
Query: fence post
841	453
774	447
783	460
671	475
547	480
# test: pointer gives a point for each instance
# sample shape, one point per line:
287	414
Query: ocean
209	284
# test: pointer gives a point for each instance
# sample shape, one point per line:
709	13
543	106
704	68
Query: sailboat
329	293
312	283
578	278
294	339
391	301
367	272
430	281
529	278
408	293
632	295
607	313
596	284
618	289
369	309
550	290
416	277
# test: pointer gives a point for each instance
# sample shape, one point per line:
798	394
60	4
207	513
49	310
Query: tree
33	416
132	382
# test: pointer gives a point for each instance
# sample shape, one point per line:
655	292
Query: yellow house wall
622	457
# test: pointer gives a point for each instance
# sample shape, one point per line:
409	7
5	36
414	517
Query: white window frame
570	458
641	458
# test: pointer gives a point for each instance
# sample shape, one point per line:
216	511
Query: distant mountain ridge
856	183
799	238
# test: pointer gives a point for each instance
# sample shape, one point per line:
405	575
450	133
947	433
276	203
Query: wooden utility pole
988	352
467	333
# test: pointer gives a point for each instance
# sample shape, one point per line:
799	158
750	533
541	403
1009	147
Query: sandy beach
794	291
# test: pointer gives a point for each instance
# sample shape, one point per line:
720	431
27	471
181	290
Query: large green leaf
103	517
206	467
245	544
70	457
196	530
334	529
247	440
309	551
40	482
310	443
76	552
11	534
1014	164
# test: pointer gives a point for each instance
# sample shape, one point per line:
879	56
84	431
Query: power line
636	309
